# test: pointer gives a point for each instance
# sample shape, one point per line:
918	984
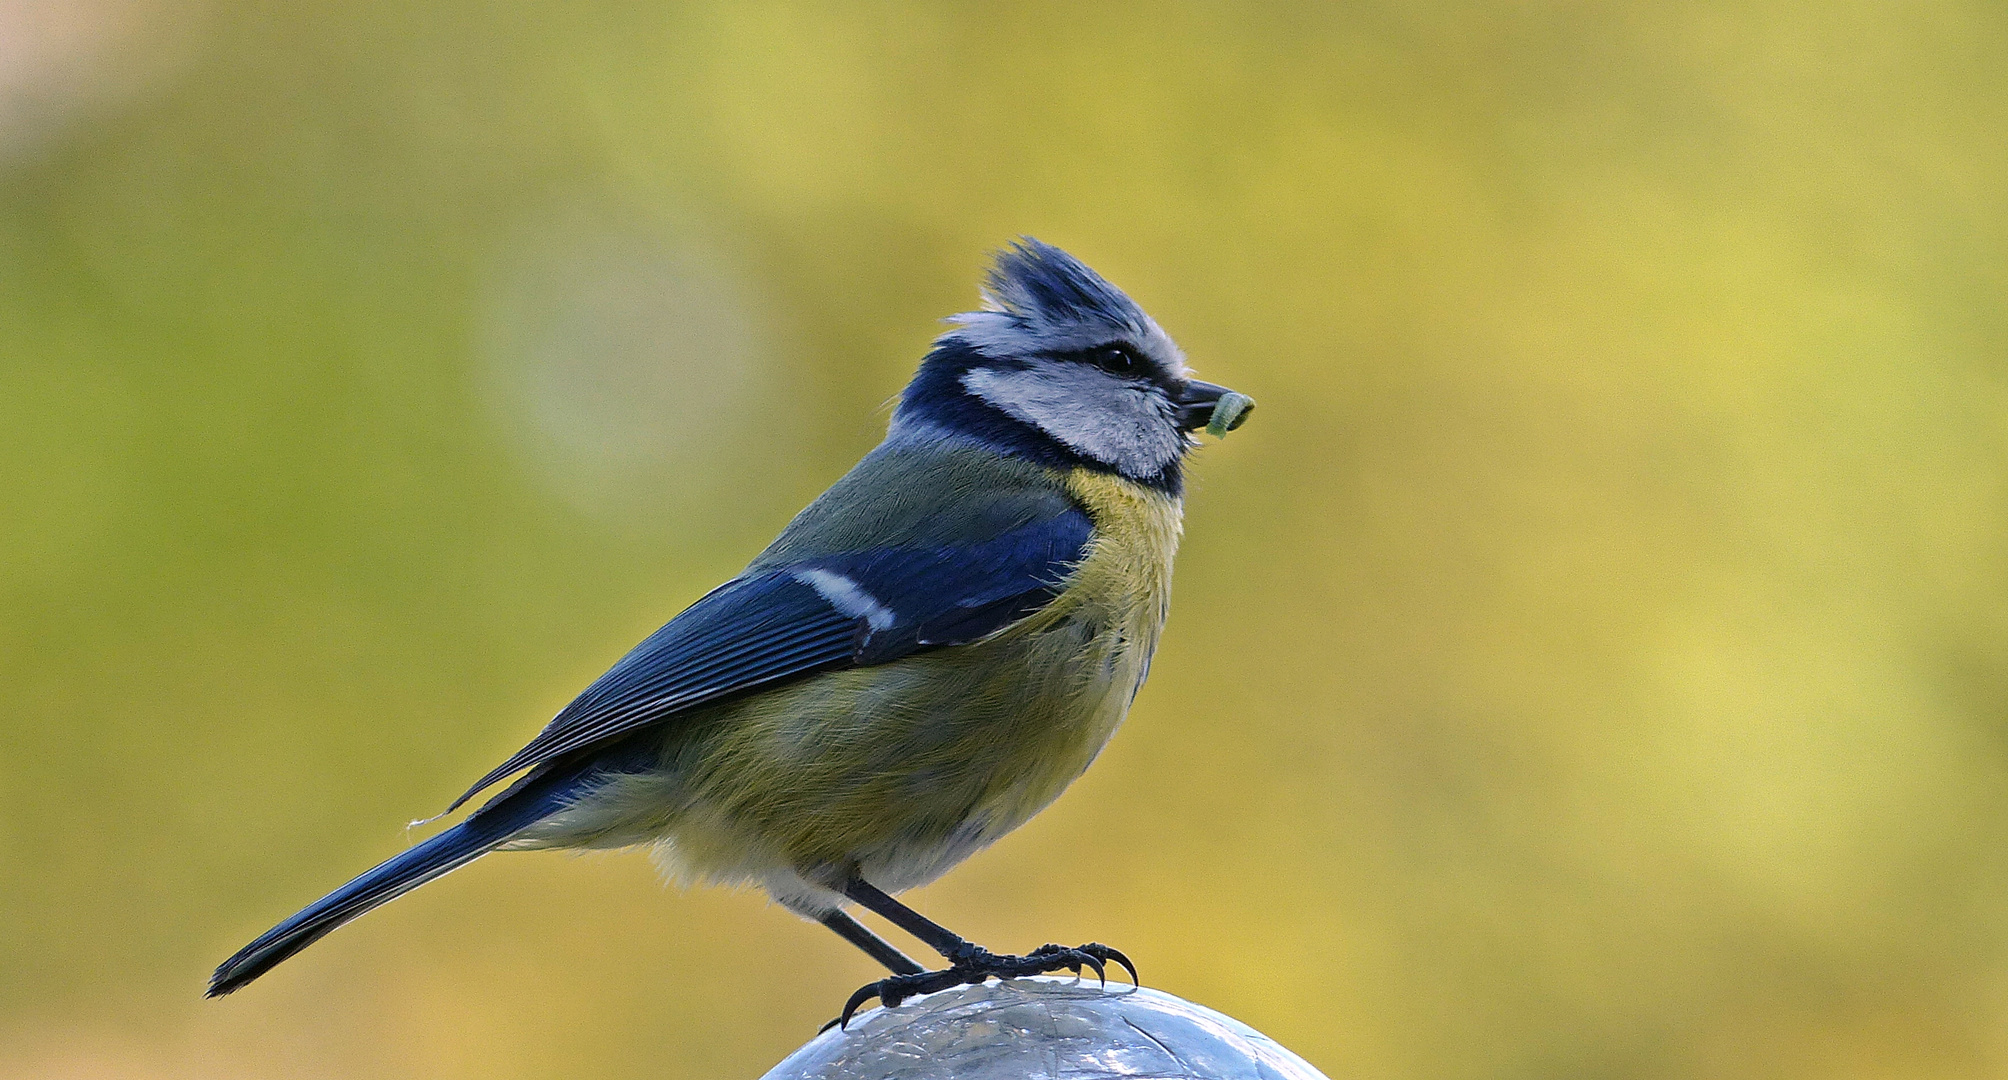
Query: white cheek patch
1089	411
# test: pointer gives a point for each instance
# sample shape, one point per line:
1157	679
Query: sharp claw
980	967
1118	957
864	994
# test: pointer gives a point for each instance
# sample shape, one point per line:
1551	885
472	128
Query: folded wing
852	609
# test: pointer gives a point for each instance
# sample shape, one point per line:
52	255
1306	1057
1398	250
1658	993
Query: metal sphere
1045	1028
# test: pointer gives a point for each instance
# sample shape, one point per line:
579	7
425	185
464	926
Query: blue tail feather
531	798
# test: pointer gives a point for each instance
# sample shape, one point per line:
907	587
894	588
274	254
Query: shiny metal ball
1046	1028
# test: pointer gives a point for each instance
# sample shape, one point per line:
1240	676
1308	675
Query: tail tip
237	972
223	981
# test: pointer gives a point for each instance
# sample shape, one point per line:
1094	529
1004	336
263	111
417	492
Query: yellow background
1588	663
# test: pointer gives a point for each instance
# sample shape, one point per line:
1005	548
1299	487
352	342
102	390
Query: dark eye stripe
1119	360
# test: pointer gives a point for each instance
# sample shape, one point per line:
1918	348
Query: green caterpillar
1228	413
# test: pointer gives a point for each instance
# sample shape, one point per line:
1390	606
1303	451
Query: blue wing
851	609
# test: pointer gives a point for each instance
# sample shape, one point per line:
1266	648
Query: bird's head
1060	366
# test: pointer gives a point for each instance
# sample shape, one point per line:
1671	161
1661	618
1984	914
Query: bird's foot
978	965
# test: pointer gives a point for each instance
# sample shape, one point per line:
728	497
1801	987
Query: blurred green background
1591	663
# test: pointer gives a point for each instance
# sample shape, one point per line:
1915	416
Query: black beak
1197	400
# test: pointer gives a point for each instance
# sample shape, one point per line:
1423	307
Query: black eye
1119	360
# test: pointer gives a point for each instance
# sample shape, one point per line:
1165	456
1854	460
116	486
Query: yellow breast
1127	571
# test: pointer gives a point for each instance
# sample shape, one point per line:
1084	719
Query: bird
923	659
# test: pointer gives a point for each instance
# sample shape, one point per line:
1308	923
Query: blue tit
925	658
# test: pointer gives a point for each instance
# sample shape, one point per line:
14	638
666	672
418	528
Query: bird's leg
952	946
874	946
968	963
